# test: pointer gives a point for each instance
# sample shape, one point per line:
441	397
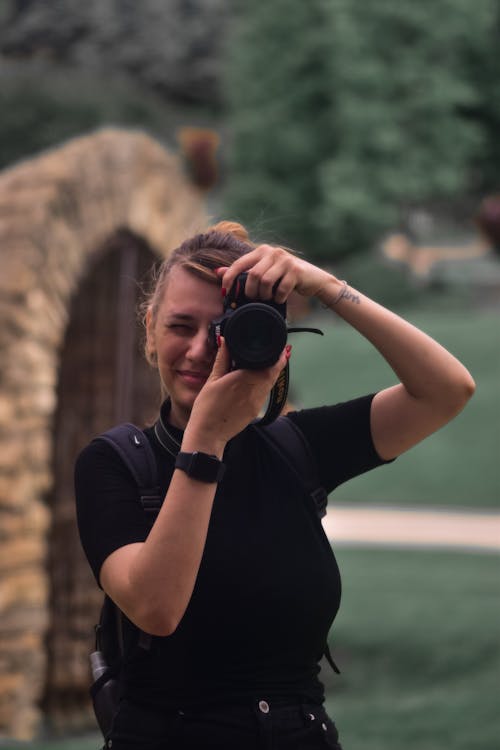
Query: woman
235	579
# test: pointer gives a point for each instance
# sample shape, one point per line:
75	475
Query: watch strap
201	466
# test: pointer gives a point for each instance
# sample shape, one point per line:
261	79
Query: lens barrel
255	335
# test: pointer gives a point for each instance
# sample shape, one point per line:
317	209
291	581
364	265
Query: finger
244	263
272	373
266	272
222	363
285	287
277	282
260	279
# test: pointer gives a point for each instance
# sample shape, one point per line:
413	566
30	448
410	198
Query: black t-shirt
268	587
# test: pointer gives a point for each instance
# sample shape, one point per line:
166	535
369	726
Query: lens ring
255	335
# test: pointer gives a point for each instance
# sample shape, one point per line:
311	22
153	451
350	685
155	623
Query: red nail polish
223	291
218	341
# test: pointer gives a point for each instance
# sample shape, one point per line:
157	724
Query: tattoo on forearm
352	296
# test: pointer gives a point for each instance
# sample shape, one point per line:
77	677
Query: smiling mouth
193	377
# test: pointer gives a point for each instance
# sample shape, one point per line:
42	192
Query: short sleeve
109	511
340	438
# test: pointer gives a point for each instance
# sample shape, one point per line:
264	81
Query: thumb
222	363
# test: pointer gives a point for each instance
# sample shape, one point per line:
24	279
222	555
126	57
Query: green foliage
483	65
417	644
346	115
44	105
400	83
280	117
167	46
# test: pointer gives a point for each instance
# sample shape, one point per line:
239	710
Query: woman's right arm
152	581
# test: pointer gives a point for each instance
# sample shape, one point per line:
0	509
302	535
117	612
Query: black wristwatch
200	466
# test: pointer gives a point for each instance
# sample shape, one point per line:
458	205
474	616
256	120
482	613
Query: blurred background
365	136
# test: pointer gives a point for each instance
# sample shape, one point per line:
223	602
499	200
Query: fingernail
288	352
218	341
223	291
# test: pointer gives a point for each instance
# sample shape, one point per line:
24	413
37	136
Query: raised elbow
166	627
468	388
157	623
462	391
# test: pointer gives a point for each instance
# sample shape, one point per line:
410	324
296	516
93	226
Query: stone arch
103	379
61	214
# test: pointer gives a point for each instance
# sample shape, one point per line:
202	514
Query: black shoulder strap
289	441
136	452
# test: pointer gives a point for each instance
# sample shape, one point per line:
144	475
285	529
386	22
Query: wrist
203	467
331	294
199	440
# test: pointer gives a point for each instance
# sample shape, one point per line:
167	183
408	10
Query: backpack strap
287	439
136	452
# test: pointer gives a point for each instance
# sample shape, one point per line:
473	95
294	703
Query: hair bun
231	227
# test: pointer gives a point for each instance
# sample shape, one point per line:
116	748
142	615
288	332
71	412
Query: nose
201	348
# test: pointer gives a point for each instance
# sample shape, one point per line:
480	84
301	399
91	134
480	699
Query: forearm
425	368
162	574
434	386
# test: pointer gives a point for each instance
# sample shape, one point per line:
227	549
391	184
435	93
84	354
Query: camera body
255	331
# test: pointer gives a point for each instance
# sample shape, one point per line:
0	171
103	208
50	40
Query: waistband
277	708
283	707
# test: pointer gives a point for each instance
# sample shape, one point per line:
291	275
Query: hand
229	401
268	266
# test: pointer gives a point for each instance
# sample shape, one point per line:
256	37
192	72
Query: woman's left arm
434	386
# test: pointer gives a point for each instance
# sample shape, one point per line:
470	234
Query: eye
180	327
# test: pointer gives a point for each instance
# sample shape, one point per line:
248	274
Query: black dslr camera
255	332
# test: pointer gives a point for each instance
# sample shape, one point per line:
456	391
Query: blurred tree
483	64
45	104
402	86
280	116
347	116
169	46
67	67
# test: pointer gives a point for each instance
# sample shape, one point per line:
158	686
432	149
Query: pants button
264	707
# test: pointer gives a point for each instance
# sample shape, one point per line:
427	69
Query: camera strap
277	397
279	392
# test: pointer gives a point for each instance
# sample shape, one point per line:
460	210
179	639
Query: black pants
259	726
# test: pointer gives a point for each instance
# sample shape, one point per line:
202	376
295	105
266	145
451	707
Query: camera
255	332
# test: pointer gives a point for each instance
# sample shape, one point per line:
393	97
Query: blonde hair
220	245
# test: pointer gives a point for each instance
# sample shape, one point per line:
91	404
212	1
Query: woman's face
179	336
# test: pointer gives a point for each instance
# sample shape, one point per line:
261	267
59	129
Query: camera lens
255	335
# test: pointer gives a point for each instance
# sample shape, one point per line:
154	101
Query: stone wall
56	212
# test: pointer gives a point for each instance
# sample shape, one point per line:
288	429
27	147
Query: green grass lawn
418	645
417	642
459	465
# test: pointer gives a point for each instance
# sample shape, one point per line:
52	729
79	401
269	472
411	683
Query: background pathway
388	526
